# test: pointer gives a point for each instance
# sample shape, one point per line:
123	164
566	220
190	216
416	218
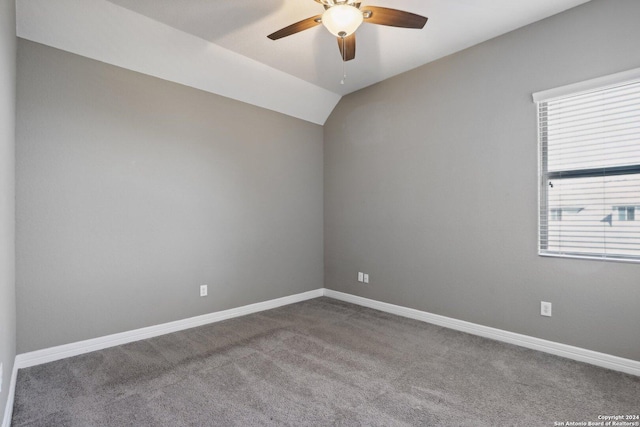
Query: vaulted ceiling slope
220	46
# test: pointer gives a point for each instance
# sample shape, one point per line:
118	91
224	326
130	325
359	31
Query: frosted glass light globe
342	20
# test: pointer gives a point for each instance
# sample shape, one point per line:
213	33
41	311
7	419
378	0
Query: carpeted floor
319	362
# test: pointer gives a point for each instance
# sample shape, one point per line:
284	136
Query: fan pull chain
344	53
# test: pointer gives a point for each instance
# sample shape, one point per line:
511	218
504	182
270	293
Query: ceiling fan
343	17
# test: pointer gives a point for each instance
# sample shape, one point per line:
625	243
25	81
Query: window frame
629	212
601	83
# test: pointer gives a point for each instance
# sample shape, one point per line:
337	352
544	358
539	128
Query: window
555	214
589	158
626	213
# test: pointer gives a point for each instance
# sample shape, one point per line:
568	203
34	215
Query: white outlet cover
203	290
545	308
360	276
366	278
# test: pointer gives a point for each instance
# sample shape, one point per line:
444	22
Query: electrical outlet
366	278
545	308
203	290
360	276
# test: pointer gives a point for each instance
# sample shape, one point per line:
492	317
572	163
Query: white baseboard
51	354
570	352
8	409
576	353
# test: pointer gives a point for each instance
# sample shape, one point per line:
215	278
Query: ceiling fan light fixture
342	20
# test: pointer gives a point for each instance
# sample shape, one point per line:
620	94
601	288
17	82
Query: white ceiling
222	45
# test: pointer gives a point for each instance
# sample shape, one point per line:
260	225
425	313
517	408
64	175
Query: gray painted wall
431	186
133	191
7	194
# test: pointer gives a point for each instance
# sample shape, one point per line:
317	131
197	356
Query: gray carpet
319	362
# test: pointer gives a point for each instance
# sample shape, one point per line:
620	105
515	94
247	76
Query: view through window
590	173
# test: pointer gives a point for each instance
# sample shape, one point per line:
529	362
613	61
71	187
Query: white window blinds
590	173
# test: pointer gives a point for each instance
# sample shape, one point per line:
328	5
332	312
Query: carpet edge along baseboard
51	354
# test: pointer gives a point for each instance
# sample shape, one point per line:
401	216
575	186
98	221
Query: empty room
218	213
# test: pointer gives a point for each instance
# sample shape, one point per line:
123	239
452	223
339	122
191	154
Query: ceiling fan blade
305	24
347	47
393	17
